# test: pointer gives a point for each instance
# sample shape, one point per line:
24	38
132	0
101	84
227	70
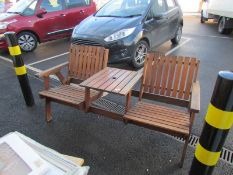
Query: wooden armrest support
195	98
52	71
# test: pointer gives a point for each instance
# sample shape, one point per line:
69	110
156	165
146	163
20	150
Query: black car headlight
120	34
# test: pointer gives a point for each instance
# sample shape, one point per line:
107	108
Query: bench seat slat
158	116
69	93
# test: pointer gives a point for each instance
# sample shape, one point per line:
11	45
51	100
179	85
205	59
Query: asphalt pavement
108	146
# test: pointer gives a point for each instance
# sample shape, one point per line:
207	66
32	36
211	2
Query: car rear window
76	3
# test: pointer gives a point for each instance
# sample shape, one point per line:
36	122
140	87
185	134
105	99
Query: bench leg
87	99
184	152
48	110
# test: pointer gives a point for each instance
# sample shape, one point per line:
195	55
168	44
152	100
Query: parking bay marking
210	36
50	58
29	66
178	46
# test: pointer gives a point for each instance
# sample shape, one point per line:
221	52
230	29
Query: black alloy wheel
139	54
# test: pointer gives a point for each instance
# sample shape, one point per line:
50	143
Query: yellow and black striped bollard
20	68
218	122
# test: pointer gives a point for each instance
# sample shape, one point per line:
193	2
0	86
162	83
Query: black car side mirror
41	12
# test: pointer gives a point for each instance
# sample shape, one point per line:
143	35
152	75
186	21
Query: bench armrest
195	98
52	71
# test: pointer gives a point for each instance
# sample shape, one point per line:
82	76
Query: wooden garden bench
84	61
172	80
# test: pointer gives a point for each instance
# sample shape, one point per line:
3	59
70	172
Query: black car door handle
62	15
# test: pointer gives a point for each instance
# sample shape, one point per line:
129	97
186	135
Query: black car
129	28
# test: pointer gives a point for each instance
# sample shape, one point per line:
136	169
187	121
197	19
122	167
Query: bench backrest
84	61
169	76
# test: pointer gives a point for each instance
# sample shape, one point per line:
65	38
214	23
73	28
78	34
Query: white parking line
28	67
177	47
50	58
210	36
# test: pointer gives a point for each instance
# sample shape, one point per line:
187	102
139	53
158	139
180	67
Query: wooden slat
148	73
116	83
156	124
88	67
131	84
67	93
122	84
195	100
154	73
99	81
177	77
163	114
183	77
97	55
165	109
84	61
165	76
112	79
84	83
169	122
196	70
93	60
80	61
84	65
101	59
171	75
159	75
71	64
75	61
105	62
190	78
160	107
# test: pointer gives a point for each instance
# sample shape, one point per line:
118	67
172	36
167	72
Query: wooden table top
113	80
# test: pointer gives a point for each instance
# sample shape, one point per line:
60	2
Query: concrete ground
108	146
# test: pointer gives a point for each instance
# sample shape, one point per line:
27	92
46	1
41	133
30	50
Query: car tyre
139	54
27	41
221	27
178	35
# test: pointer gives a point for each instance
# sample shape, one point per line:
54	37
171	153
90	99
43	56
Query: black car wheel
139	54
27	41
178	35
221	27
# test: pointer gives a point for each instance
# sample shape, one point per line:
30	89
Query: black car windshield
123	8
22	5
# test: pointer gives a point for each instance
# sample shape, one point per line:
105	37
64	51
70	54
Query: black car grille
85	42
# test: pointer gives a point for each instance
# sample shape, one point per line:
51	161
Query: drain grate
108	105
226	154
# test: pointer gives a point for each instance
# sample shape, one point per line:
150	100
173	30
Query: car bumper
119	51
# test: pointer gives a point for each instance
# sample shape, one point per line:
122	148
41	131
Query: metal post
20	68
218	122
